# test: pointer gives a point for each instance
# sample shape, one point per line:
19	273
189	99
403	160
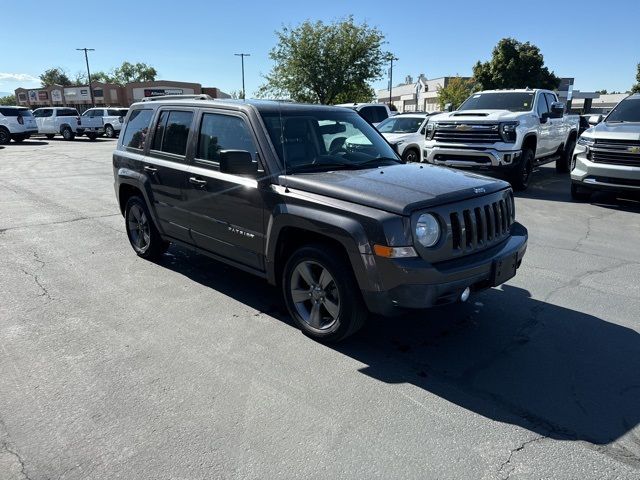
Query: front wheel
322	295
411	155
109	132
142	232
522	174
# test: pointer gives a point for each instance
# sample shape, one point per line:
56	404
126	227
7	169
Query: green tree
456	91
326	63
103	77
134	72
636	87
55	76
8	100
514	65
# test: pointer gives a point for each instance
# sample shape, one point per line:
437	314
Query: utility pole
242	55
390	58
86	58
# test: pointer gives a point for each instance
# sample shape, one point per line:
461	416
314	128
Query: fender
126	176
347	231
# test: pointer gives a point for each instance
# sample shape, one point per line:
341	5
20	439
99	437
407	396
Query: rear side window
116	113
223	132
380	114
67	112
135	134
172	132
369	114
14	112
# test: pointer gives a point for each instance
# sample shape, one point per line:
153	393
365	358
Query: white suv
17	124
112	118
406	133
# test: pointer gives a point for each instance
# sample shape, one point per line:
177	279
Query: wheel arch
131	183
530	141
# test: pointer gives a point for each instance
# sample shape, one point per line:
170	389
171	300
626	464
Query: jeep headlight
427	230
508	131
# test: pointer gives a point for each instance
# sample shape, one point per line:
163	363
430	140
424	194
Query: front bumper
477	157
603	176
416	284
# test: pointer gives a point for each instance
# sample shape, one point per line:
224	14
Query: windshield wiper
376	162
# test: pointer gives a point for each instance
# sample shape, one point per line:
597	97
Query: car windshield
326	139
627	110
400	125
512	101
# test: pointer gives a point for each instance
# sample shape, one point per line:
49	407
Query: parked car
607	156
270	188
504	131
405	132
112	119
17	124
374	113
66	121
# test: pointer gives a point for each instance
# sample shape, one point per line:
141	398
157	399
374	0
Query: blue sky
598	43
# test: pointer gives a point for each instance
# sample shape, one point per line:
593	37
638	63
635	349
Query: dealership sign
158	92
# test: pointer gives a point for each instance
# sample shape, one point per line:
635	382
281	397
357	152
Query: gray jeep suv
313	199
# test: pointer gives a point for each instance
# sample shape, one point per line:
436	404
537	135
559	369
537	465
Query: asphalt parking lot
115	367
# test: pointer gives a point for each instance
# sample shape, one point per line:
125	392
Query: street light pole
391	58
242	55
86	58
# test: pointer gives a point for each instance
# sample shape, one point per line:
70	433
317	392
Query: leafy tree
8	100
326	63
602	92
55	76
514	65
130	72
636	87
455	92
103	77
235	94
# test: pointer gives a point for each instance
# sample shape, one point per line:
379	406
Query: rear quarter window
137	129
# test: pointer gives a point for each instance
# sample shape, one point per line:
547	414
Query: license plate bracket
504	269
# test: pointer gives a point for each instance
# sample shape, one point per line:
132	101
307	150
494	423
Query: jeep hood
479	116
615	131
399	189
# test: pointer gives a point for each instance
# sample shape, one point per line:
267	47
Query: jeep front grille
477	227
460	132
616	152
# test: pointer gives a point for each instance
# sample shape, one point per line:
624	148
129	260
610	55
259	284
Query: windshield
316	140
512	101
627	110
400	125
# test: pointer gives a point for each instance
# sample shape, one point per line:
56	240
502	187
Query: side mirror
557	109
595	119
237	162
423	131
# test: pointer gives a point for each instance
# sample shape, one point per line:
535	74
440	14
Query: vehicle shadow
27	143
503	355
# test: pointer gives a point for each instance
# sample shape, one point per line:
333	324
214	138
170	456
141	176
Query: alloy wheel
139	228
315	295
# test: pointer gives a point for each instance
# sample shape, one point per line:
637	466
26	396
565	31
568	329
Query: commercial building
107	94
420	95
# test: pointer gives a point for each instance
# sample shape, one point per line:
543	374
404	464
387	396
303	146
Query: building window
98	92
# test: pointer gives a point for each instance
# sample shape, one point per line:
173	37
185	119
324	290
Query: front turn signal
394	252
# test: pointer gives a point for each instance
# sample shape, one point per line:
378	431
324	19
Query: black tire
579	194
5	136
50	135
92	136
68	134
141	231
522	174
19	138
564	162
340	294
109	132
411	155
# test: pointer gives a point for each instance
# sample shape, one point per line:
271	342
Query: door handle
197	181
150	169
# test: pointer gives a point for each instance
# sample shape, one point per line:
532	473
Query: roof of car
515	90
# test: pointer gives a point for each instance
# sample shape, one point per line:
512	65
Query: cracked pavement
114	367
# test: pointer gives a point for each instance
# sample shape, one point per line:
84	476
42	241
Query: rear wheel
68	134
50	135
522	174
5	136
410	155
109	132
579	194
564	162
322	295
142	232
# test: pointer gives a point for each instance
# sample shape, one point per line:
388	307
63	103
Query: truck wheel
579	194
522	174
68	134
5	136
50	135
410	155
109	132
322	295
142	232
563	163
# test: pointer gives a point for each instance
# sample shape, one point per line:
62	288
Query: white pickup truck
505	131
67	122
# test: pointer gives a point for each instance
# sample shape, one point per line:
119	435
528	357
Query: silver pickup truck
505	131
607	156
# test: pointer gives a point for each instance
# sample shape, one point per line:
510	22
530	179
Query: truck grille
477	227
616	152
458	132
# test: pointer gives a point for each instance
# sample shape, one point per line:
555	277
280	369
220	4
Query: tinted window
380	114
550	99
369	114
112	112
542	106
13	112
400	125
46	112
223	132
135	133
172	132
67	112
627	110
512	101
98	92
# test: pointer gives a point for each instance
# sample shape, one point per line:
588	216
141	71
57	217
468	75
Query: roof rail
202	96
